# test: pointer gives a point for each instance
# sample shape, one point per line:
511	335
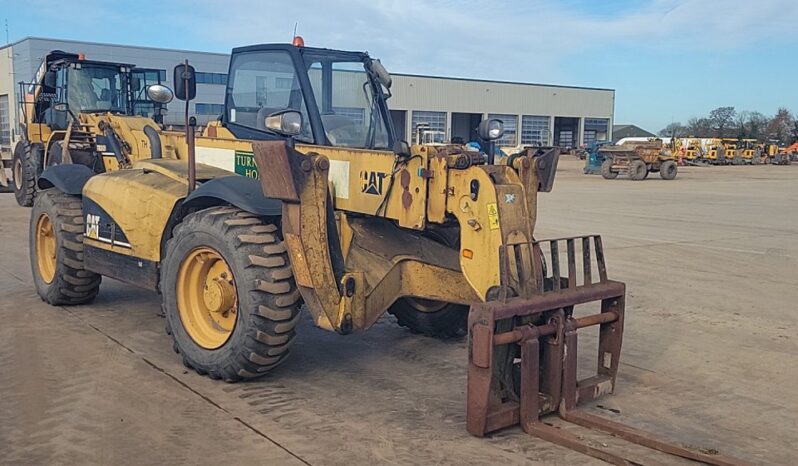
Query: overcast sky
667	59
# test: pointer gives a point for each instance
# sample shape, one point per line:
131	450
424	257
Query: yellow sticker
493	216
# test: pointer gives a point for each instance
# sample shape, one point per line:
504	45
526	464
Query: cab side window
263	83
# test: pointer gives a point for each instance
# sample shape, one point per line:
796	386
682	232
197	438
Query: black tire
55	156
606	170
448	321
637	170
428	317
668	169
71	282
267	296
23	169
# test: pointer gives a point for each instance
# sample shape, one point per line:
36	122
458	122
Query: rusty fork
542	332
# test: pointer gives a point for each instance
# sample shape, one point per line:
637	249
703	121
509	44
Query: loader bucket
522	360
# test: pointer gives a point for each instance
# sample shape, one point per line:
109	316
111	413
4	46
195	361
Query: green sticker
245	164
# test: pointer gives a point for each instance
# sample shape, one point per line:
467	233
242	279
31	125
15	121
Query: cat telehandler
300	193
73	111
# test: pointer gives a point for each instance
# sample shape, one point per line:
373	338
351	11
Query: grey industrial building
452	107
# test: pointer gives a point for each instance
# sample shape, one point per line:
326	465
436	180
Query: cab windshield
351	112
97	89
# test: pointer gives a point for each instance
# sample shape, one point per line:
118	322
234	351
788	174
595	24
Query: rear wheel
606	170
229	295
56	250
667	171
23	169
638	170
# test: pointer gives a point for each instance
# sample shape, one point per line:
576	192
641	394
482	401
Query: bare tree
699	127
757	126
741	124
781	126
675	130
721	119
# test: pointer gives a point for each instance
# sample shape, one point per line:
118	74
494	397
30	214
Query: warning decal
493	216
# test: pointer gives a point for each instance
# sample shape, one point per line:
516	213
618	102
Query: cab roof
343	54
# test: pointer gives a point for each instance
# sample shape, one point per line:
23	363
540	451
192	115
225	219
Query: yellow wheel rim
45	248
206	298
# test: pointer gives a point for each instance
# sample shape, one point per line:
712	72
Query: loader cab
68	83
339	98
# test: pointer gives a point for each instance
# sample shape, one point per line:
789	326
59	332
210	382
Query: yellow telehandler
302	194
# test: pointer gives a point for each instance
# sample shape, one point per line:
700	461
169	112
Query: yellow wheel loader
73	113
301	194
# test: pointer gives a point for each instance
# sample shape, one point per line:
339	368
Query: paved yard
710	352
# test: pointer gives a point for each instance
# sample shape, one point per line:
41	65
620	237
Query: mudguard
240	191
69	178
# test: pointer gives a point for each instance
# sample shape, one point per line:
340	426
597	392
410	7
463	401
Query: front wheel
667	171
606	170
229	295
431	318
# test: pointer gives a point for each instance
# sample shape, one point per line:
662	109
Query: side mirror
382	74
160	94
285	122
49	79
401	149
185	80
490	130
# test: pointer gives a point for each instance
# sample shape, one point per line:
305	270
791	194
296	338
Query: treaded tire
638	170
668	170
72	283
606	170
448	322
23	170
267	296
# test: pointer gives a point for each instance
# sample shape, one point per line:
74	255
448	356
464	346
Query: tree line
726	122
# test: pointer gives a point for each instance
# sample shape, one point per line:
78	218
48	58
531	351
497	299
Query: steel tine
571	263
602	268
586	264
555	264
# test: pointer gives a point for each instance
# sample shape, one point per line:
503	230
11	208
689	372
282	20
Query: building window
208	109
162	75
596	129
356	114
211	78
5	127
283	83
535	130
435	122
510	128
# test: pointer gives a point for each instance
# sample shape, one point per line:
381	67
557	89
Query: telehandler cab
327	208
73	113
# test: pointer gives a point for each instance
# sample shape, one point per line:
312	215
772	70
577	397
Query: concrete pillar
550	142
581	132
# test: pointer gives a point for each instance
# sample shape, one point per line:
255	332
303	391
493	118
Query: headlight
490	130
